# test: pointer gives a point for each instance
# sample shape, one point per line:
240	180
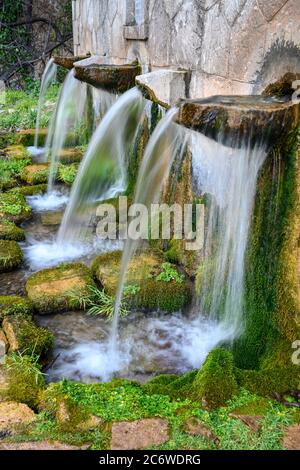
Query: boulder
30	190
143	289
68	61
9	231
14	415
35	174
49	289
26	137
13	207
24	335
14	305
139	434
52	217
11	255
17	152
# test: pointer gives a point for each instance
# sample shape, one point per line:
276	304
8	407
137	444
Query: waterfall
48	77
228	176
155	166
102	173
68	116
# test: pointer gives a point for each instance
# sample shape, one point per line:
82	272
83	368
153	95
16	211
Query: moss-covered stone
26	137
25	336
71	155
147	291
9	231
11	255
23	380
17	152
49	289
30	190
13	207
35	174
215	383
52	218
15	305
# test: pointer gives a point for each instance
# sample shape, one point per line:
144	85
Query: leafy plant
97	302
169	274
26	362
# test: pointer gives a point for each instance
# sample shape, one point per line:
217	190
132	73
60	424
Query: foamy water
147	345
48	201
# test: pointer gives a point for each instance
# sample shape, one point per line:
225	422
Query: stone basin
113	78
234	120
67	61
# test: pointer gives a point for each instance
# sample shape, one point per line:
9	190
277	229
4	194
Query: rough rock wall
230	46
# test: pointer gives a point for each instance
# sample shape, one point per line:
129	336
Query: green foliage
11	255
67	173
97	302
169	273
25	379
14	305
14	207
10	170
9	231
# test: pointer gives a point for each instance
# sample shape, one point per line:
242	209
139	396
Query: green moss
257	407
24	380
10	169
11	255
271	301
136	155
26	137
9	231
35	174
143	273
49	289
15	305
18	152
30	190
215	382
67	173
14	207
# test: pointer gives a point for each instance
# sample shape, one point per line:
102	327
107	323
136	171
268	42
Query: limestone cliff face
231	47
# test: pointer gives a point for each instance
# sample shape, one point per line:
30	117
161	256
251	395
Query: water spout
48	77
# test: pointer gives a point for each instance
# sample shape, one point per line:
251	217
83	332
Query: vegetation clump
10	231
15	305
11	255
13	207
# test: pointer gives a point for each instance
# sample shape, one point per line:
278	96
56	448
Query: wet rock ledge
233	119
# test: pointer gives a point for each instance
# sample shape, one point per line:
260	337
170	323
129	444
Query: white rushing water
48	77
102	173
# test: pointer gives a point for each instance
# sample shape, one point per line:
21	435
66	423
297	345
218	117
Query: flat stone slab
26	137
134	435
49	289
236	120
68	61
35	174
114	78
291	438
13	207
164	87
52	218
13	414
17	152
40	445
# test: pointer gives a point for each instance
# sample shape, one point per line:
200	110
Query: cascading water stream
229	176
102	175
48	77
69	114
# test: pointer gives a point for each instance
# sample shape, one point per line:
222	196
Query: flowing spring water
102	174
229	176
48	77
69	114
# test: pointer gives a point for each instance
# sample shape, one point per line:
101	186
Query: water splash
48	77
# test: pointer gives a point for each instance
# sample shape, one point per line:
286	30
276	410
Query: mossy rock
25	336
148	292
9	231
30	190
26	137
13	207
11	255
49	289
71	155
35	174
7	182
15	305
17	152
23	381
215	383
52	218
